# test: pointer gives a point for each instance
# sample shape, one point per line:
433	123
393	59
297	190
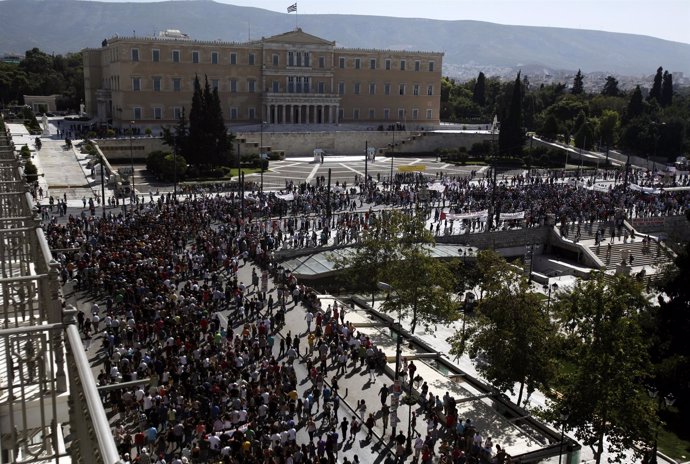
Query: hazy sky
666	19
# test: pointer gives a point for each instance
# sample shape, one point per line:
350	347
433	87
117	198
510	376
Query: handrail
101	426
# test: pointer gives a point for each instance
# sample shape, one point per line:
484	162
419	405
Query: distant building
11	58
291	78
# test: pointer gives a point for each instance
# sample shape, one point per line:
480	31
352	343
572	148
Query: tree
671	344
655	92
606	353
511	137
512	331
636	104
208	140
667	90
609	125
578	87
479	92
584	137
550	129
397	250
611	87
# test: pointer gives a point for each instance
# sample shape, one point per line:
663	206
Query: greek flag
292	8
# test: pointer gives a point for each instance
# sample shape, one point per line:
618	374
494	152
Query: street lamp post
366	162
398	349
131	163
468	306
564	418
103	186
393	154
262	154
667	400
549	288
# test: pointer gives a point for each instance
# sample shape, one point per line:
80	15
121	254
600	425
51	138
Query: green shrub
25	152
31	172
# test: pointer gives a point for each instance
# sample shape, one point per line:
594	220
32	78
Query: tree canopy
396	249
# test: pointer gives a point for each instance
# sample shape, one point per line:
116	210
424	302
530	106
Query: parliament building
291	78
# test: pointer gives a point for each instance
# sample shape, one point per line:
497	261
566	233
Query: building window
357	86
195	57
372	88
252	113
415	90
372	63
156	84
233	113
177	84
176	56
215	84
402	65
214	57
416	65
431	66
322	62
430	90
429	114
372	113
291	58
252	59
158	113
341	62
276	86
136	113
136	84
386	114
388	65
401	89
358	63
322	87
306	85
415	114
341	114
341	88
386	89
135	54
275	59
177	113
355	114
401	114
233	58
155	55
233	85
307	59
251	85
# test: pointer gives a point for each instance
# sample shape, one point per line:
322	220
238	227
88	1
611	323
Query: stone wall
676	228
511	242
304	143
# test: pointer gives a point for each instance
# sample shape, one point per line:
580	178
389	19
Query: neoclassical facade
291	78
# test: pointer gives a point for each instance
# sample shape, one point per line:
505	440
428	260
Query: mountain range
61	26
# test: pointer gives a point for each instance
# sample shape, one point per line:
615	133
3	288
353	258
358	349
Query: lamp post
467	308
667	400
103	186
564	418
398	349
366	162
549	288
393	154
131	162
262	155
175	166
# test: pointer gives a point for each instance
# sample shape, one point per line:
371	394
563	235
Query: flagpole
296	25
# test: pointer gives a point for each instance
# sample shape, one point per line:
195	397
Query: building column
299	114
283	111
337	113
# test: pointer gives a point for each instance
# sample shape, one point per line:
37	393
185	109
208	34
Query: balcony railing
47	389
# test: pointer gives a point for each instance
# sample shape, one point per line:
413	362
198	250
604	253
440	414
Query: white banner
474	215
509	216
437	187
286	197
644	189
